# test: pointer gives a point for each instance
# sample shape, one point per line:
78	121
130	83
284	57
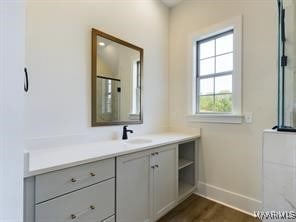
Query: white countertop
41	161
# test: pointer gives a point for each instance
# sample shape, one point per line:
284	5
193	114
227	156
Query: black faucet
125	131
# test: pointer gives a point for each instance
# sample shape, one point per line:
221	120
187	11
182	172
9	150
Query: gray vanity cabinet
137	187
146	184
84	193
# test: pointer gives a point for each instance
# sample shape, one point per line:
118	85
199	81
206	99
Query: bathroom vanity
126	181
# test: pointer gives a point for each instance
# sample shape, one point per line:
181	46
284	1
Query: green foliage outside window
216	103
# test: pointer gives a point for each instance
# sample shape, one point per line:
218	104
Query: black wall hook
26	84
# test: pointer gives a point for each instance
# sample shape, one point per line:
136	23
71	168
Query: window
214	73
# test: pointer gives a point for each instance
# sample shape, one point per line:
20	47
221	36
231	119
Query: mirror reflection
117	89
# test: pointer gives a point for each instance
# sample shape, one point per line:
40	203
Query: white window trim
236	116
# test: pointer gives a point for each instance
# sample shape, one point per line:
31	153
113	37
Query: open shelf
184	163
184	188
186	167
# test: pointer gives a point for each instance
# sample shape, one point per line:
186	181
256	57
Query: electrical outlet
248	117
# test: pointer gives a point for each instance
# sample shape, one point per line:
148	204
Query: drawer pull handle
92	174
73	216
73	180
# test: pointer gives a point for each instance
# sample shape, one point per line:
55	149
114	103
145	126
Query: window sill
215	118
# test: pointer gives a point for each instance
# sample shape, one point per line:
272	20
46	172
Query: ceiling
171	3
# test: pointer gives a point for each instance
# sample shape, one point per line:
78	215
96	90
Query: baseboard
228	198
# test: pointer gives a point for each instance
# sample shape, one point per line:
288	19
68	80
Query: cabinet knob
153	167
156	153
152	154
92	207
73	216
156	166
73	180
92	174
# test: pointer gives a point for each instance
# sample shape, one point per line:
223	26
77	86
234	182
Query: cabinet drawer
60	182
110	219
94	203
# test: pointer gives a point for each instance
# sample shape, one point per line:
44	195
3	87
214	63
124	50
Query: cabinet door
165	180
134	187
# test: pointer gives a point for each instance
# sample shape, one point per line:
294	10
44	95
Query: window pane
206	86
224	63
223	84
206	66
223	103
207	49
224	44
206	103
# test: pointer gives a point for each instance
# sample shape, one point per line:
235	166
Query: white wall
230	155
58	57
11	109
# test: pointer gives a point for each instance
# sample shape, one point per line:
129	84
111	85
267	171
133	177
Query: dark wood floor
199	209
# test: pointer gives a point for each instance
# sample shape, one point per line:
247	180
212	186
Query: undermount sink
138	141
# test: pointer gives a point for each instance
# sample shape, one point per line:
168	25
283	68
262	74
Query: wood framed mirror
117	73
